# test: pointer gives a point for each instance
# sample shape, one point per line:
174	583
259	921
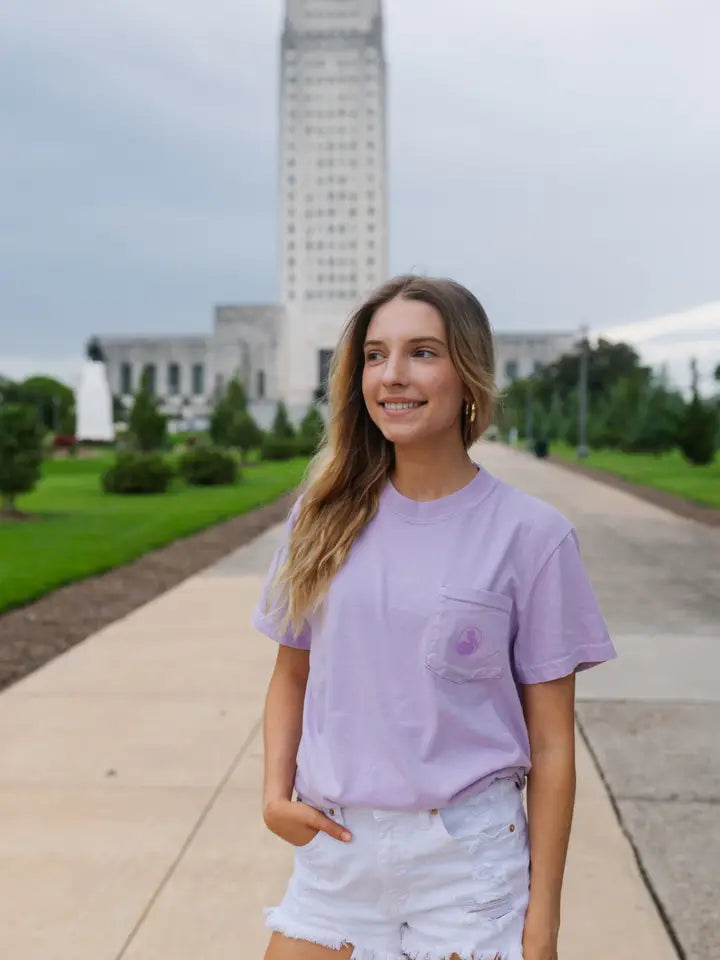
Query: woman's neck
425	474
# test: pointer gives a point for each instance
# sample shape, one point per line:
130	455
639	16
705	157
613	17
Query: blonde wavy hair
345	478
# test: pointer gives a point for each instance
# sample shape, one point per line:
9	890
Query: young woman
430	619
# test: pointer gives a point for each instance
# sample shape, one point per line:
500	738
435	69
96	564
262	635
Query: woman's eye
372	355
426	350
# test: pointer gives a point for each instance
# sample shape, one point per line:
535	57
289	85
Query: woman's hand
540	937
299	823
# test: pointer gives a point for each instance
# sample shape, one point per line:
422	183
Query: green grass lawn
80	531
670	472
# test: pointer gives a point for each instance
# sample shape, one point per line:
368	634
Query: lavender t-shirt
418	655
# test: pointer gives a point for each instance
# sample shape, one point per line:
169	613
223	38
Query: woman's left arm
550	717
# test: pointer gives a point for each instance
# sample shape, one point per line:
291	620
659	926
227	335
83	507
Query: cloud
673	340
703	319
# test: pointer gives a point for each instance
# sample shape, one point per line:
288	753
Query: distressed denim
424	884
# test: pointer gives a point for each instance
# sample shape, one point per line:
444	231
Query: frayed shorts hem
275	922
323	938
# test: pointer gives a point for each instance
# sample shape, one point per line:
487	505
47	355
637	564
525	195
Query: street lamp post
582	450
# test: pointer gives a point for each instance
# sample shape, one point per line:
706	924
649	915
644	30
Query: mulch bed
661	498
32	635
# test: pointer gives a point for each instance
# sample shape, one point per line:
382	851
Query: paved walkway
130	767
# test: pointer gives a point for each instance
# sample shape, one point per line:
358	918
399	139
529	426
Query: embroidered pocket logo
468	642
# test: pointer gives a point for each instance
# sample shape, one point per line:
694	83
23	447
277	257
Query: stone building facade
190	372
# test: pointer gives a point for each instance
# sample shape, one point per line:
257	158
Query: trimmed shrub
281	424
207	466
305	445
229	407
279	448
147	426
312	431
244	433
135	472
698	432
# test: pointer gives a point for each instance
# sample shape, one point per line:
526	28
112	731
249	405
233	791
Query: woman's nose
395	370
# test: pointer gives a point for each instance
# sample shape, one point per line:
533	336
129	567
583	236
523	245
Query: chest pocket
468	635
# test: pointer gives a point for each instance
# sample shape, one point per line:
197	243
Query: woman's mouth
402	407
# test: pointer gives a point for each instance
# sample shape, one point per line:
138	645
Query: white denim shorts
422	884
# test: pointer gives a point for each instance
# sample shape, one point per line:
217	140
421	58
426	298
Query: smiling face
411	388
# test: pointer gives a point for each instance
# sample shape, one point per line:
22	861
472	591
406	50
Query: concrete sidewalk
130	774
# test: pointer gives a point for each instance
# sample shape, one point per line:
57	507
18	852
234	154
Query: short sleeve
270	621
560	627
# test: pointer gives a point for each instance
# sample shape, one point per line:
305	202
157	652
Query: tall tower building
333	190
332	242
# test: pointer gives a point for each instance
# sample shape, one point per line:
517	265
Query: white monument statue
93	399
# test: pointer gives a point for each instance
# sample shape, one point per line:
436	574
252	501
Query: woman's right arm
297	823
282	723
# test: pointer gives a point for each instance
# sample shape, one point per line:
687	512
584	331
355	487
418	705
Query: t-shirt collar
429	511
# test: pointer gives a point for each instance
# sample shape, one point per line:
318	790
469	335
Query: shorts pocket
468	824
313	842
492	815
334	813
468	635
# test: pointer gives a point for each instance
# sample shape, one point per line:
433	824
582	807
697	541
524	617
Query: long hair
346	477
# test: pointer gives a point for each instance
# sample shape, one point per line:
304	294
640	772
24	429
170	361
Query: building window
324	359
126	379
261	384
198	379
537	368
151	375
511	370
173	379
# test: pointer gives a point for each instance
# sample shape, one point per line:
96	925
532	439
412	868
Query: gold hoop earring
470	411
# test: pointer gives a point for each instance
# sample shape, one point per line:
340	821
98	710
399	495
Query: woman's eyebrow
380	343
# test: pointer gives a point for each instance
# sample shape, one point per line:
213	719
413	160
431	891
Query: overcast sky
560	157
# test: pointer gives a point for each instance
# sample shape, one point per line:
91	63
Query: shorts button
434	810
512	827
332	814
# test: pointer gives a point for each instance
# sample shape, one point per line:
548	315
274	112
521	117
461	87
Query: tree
699	427
281	424
607	364
235	395
232	403
313	425
20	452
311	432
147	426
244	433
556	417
220	420
53	400
655	427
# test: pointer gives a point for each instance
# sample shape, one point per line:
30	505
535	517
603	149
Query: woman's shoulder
533	520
